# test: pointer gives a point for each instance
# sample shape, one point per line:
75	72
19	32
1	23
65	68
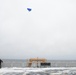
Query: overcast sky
48	31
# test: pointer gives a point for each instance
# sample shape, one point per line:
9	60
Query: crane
35	60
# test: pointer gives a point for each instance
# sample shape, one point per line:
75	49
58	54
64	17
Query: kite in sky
29	9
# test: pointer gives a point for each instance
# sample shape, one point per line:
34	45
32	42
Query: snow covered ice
38	71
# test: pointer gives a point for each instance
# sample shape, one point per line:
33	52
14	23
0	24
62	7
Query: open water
23	63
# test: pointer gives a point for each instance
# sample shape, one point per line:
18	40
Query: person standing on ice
0	63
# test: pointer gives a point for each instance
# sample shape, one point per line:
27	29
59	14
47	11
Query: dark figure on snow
0	63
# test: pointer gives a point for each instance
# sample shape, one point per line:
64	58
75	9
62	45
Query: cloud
47	31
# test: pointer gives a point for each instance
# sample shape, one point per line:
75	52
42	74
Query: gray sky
48	31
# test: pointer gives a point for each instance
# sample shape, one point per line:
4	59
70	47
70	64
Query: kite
29	9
